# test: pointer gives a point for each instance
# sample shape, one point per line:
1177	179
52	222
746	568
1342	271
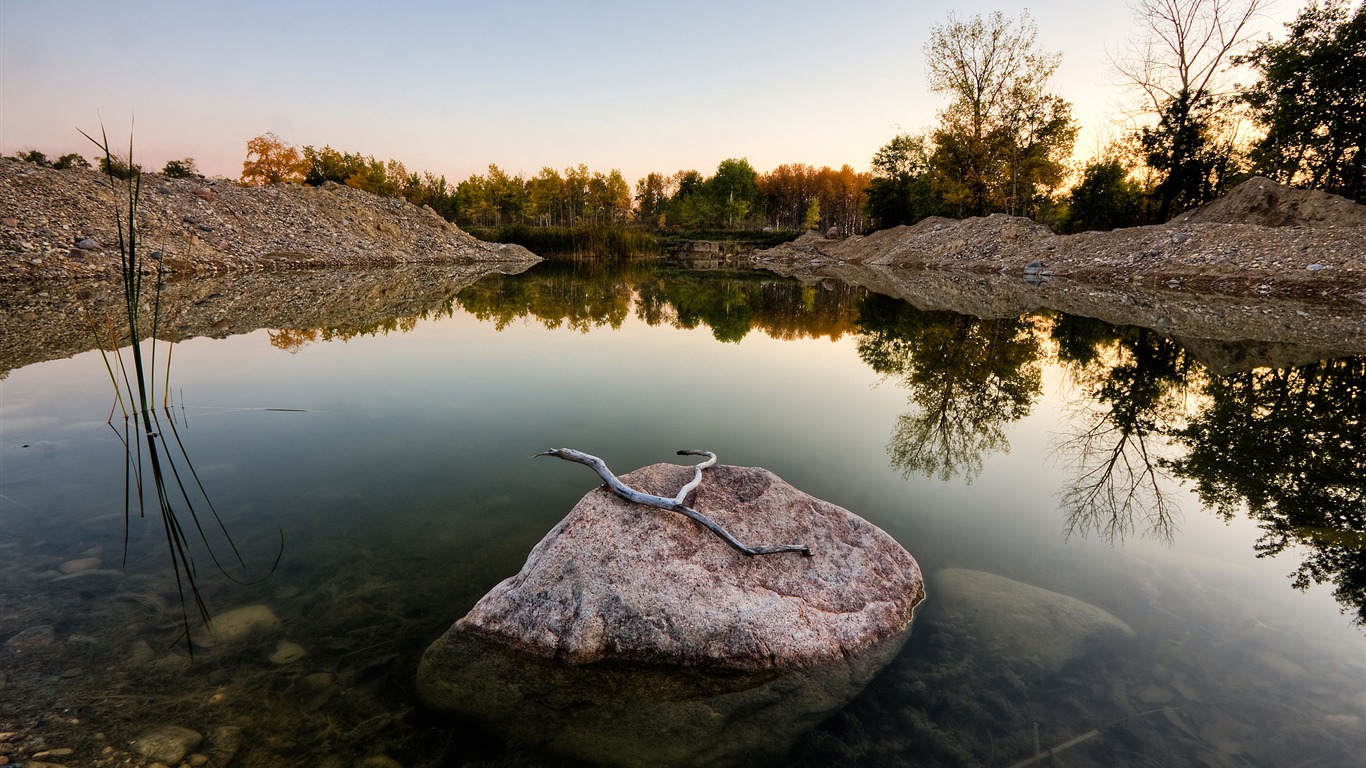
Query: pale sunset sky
451	87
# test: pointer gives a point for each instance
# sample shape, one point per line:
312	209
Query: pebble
378	761
168	743
1180	237
287	652
243	623
88	244
32	639
1315	267
79	564
224	743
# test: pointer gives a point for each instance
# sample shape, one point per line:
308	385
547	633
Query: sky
451	87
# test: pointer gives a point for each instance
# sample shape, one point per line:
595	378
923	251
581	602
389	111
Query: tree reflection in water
1284	443
968	379
1287	446
1132	385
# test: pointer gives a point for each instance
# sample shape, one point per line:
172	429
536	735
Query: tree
272	161
1105	199
1176	68
180	169
900	190
1310	100
733	191
652	197
1003	135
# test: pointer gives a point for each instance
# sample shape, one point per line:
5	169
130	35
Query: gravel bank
58	225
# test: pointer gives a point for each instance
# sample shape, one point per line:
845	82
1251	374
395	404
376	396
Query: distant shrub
33	156
119	169
180	169
70	160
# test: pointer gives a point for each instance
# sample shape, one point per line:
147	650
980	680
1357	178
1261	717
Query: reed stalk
153	450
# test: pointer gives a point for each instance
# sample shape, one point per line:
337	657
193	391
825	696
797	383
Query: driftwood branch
676	503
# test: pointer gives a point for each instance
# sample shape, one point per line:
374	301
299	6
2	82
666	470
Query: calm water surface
1106	464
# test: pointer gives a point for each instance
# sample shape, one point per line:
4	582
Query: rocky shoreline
60	225
1262	239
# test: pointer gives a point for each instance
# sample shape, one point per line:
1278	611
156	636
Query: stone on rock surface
1027	627
634	636
621	581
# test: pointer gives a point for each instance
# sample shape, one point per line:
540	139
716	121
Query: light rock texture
634	636
1030	628
620	581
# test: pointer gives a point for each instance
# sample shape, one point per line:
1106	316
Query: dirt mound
59	224
1264	202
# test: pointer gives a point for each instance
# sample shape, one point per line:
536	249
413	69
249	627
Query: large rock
1028	628
634	636
621	581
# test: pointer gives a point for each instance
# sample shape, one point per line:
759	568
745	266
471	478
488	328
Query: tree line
1003	144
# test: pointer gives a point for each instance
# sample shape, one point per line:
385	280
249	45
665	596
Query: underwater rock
622	714
78	565
621	581
1027	627
32	639
286	652
242	624
167	744
634	636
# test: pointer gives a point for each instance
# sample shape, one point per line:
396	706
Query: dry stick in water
676	503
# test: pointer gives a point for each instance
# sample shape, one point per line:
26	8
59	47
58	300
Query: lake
366	439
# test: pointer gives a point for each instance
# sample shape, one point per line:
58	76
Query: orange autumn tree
272	161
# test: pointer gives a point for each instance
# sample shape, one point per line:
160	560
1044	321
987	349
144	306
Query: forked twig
676	503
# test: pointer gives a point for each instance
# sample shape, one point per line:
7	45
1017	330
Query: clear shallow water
401	483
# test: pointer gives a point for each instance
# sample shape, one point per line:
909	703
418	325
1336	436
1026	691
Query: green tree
327	164
1003	140
1311	100
901	190
652	198
733	191
1105	198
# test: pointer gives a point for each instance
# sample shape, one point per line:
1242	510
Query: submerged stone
241	624
1027	627
167	744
